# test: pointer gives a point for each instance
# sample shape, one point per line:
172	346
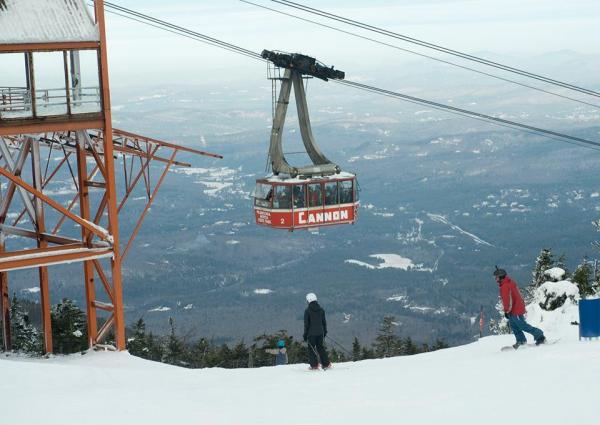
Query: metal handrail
19	99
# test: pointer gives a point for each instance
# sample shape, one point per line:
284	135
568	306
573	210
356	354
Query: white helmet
310	297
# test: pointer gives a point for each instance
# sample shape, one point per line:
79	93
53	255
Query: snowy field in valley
471	384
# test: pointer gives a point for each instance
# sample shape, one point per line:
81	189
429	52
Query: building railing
17	102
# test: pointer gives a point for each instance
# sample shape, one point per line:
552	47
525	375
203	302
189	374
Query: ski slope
471	384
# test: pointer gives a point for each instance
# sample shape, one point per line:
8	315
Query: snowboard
529	345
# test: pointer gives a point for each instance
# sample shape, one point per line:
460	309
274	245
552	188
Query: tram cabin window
331	193
283	197
315	198
299	196
262	195
346	192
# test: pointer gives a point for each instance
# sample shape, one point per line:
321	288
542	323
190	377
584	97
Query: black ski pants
315	346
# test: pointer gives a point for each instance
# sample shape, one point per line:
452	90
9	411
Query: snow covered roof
282	178
46	21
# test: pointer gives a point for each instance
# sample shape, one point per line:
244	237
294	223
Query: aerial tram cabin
295	203
312	196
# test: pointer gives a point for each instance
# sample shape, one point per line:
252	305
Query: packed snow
393	261
463	385
441	219
557	383
555	273
263	291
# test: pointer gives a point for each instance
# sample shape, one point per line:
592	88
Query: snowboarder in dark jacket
514	309
315	331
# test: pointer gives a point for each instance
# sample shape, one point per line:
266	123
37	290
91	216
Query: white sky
501	26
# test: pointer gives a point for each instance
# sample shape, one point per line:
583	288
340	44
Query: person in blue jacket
280	353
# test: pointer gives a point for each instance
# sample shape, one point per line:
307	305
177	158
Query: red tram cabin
296	203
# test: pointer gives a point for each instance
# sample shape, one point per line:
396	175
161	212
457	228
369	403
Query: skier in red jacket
514	309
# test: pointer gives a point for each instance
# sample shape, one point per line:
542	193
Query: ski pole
339	345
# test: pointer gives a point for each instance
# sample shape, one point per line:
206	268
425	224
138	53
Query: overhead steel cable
157	23
185	31
393	46
173	31
477	115
433	46
473	117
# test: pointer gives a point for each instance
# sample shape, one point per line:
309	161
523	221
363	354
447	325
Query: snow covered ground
471	384
556	383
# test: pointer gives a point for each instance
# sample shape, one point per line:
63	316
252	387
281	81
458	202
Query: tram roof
299	180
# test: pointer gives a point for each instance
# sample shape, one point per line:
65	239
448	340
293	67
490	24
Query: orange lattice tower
74	122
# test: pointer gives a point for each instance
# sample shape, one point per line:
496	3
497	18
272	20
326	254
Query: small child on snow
280	353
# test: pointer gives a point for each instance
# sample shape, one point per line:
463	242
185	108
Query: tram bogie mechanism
318	194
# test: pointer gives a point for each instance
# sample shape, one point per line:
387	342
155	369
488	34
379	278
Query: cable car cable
423	55
435	47
512	127
172	31
203	37
463	112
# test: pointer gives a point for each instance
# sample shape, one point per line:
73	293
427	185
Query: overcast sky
513	27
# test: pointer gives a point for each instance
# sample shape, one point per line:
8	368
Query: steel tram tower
71	123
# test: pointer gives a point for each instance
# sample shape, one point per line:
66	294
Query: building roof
46	21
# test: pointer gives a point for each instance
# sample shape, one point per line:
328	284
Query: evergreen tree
239	356
595	278
69	328
25	337
156	351
296	352
356	352
583	278
440	344
543	262
408	347
137	344
367	353
224	356
387	343
174	349
199	353
499	326
562	263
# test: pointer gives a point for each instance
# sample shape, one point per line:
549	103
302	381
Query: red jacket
512	301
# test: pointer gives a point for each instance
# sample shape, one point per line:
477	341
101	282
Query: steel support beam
40	222
49	47
27	259
84	211
5	308
16	167
111	190
94	229
51	124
